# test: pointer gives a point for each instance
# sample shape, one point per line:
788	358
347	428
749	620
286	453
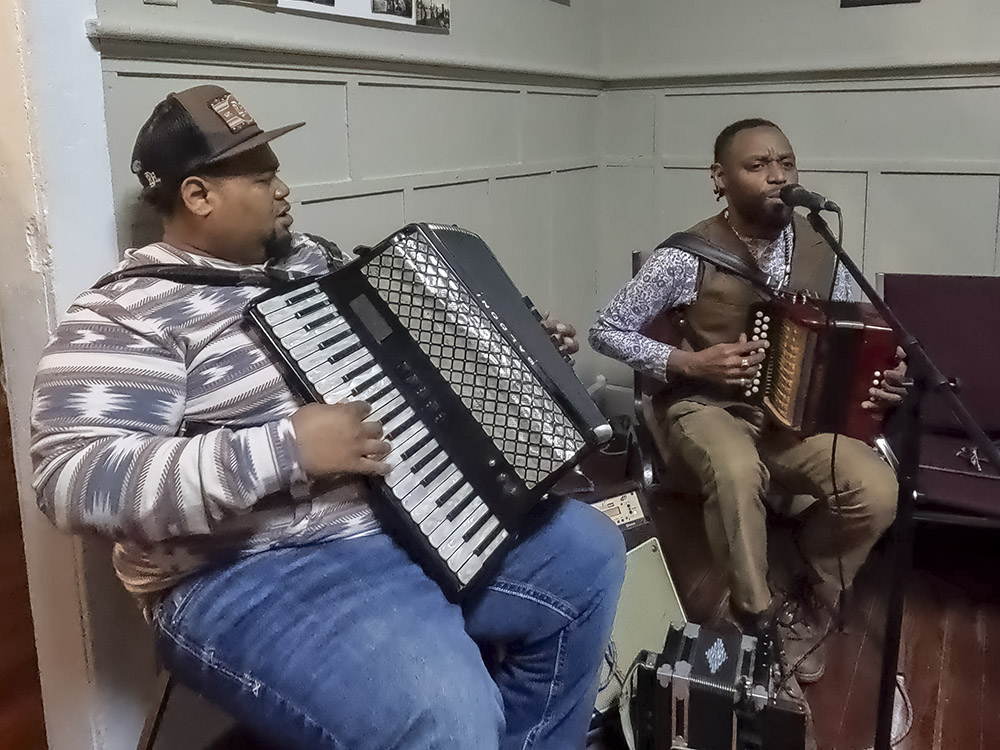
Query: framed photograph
434	13
860	3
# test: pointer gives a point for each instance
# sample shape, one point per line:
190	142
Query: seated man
724	439
250	542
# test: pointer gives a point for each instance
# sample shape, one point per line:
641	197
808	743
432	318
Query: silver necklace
751	243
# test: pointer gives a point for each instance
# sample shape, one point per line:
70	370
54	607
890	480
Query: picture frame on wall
861	3
429	14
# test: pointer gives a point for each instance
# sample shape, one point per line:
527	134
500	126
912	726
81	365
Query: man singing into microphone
724	439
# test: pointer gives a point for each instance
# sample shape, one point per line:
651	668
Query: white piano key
379	414
466	552
400	446
451	478
298	338
404	470
315	336
439	515
468	570
429	494
298	324
465	522
447	527
289	311
332	374
281	300
415	480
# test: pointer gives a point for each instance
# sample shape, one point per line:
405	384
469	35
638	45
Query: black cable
836	492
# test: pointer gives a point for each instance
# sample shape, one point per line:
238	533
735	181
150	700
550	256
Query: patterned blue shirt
668	281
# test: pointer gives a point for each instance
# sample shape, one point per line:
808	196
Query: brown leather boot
803	625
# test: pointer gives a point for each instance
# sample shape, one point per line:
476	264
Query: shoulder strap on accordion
719	257
195	275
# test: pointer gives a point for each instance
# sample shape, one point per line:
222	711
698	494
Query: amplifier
648	604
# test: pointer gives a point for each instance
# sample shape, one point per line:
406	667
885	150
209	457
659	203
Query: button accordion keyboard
482	412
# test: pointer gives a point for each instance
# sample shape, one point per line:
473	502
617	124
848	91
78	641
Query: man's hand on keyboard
336	439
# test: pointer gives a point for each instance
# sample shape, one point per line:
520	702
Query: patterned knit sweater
130	363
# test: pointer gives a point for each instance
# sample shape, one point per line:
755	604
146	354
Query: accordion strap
719	257
196	275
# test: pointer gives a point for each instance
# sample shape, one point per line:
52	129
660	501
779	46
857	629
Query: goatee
278	246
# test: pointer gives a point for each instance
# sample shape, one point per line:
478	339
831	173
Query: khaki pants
734	461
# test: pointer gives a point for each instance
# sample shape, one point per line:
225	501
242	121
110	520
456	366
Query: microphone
796	195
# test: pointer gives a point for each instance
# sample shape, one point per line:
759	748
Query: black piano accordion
711	691
482	411
823	358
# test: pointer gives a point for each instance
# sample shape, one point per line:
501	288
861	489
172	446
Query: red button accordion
823	358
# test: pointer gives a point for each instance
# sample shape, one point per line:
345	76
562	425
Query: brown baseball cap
195	128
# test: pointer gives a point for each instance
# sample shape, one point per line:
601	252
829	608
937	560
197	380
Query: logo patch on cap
232	113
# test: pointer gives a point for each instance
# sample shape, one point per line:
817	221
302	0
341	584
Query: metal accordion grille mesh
499	390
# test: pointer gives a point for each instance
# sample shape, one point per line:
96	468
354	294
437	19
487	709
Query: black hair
725	138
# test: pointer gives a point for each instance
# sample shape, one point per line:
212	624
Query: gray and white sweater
128	365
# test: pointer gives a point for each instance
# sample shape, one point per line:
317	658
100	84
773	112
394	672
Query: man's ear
718	180
195	196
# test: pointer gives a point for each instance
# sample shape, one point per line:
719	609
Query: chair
157	707
936	309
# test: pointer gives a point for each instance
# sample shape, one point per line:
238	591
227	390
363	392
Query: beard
278	245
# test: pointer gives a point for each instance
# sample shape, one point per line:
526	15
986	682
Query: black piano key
392	415
487	541
415	448
299	297
457	510
483	519
449	493
357	370
419	465
311	309
349	350
432	475
333	339
368	384
382	392
318	322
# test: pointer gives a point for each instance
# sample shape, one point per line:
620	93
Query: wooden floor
22	726
950	654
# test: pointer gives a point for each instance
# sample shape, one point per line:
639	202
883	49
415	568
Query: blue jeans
347	644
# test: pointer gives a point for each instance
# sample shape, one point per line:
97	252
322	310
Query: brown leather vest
720	310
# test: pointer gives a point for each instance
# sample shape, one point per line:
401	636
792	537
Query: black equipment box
712	691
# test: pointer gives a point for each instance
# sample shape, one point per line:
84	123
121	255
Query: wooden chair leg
150	728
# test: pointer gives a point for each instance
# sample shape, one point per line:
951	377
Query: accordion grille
792	368
470	351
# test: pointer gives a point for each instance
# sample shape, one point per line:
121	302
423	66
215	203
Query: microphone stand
927	378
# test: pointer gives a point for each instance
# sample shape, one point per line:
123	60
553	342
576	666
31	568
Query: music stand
927	379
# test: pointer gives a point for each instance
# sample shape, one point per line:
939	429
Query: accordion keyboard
456	523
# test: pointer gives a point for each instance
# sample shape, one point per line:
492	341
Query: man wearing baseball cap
241	521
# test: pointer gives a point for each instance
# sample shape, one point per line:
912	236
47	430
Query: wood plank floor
952	618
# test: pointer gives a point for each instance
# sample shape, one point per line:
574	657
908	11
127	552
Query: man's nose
281	190
775	173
